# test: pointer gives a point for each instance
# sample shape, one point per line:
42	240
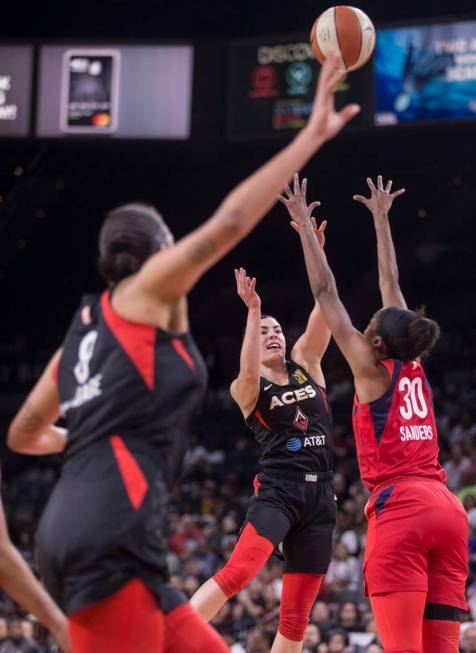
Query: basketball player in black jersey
128	378
284	403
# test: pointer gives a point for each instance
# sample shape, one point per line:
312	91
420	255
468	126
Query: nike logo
267	387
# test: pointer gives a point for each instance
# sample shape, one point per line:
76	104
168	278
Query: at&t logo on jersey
295	444
88	388
291	396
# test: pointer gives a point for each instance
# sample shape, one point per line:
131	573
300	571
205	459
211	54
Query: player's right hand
381	199
246	289
325	122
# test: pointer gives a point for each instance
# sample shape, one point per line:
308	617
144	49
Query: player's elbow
322	287
15	439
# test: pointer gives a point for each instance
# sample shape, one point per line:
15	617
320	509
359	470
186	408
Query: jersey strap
137	340
380	408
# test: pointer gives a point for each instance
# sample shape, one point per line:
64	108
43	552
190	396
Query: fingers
323	226
388	187
296	183
361	199
313	206
283	200
380	182
397	193
370	184
295	226
350	111
304	188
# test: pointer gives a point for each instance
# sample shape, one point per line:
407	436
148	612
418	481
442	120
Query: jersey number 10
414	400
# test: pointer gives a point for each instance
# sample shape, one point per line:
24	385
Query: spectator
16	642
337	641
374	648
312	638
456	466
256	642
348	617
3	630
320	616
468	640
344	574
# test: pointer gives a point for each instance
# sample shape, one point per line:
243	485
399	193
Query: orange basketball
347	30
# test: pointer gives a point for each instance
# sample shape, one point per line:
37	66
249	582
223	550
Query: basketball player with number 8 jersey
415	564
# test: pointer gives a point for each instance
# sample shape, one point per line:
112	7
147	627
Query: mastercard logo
101	120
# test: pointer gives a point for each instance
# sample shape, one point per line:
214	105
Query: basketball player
284	403
416	554
129	376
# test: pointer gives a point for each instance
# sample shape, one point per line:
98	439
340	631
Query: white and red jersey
396	435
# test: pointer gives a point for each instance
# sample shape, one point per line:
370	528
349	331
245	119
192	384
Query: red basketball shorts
417	540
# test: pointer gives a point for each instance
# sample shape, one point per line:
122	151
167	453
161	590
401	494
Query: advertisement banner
16	63
426	73
115	91
272	85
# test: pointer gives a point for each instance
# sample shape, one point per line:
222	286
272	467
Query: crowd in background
210	502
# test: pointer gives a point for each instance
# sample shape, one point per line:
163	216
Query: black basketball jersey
121	378
293	424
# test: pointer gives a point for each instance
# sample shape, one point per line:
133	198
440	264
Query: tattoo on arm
201	250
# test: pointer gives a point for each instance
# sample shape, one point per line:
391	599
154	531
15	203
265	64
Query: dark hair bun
423	334
119	265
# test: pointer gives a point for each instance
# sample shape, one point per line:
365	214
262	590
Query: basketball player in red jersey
129	377
415	563
284	403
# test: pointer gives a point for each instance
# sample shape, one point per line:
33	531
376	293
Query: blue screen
426	73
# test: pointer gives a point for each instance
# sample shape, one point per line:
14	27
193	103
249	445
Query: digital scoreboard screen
426	73
115	91
272	86
16	64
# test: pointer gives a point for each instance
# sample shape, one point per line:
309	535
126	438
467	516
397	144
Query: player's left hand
381	199
296	204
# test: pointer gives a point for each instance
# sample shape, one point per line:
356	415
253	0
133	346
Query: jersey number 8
86	350
414	400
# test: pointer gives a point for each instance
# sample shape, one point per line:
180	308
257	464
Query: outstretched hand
246	289
381	199
296	203
324	120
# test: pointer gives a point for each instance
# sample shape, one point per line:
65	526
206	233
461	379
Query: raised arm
312	345
19	582
32	431
370	378
245	388
172	272
379	204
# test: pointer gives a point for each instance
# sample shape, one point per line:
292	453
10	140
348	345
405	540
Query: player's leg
265	527
307	552
297	598
399	620
187	632
446	574
441	629
126	622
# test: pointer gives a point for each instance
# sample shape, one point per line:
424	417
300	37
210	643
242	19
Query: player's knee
240	571
298	596
248	558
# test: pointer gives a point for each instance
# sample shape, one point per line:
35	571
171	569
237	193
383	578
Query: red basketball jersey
396	434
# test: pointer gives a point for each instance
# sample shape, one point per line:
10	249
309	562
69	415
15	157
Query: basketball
347	30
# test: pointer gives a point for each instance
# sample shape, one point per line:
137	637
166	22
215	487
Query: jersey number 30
414	400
